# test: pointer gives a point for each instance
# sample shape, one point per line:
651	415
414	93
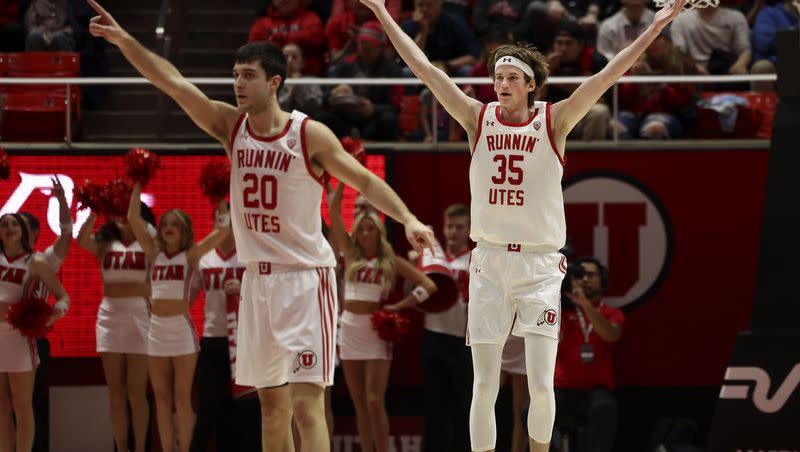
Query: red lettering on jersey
133	260
168	273
511	142
506	197
260	158
12	275
211	278
262	223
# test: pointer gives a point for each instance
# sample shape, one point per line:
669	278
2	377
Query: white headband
509	60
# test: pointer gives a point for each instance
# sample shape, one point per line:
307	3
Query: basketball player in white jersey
287	327
517	209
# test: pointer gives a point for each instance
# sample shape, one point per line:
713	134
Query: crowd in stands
578	37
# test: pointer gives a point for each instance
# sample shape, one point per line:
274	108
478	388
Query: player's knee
541	390
485	392
307	414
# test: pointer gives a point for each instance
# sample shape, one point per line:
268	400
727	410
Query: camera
575	272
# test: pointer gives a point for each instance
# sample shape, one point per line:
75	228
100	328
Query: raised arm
216	118
461	107
338	231
327	152
222	229
567	113
424	287
86	239
139	226
61	246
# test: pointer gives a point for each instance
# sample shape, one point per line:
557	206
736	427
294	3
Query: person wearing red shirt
342	29
289	22
584	376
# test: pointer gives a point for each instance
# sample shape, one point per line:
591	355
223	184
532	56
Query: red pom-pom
391	326
115	198
141	165
89	194
355	148
5	167
215	180
30	317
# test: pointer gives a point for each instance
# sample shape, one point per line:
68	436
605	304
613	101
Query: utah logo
291	142
549	316
305	359
537	125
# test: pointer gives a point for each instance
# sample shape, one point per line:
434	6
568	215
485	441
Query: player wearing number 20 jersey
278	198
288	289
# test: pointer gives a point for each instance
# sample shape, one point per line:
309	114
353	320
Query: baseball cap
372	32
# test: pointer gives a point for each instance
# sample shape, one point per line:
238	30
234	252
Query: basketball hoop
690	4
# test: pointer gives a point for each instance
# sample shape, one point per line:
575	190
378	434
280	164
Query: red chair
749	121
409	114
3	65
765	102
36	116
44	64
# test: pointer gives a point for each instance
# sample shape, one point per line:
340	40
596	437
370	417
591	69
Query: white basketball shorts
287	326
513	288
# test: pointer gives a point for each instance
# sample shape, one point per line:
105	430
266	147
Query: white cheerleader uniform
123	322
17	352
357	339
170	279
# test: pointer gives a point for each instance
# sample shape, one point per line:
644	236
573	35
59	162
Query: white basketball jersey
276	198
14	278
515	182
215	270
454	320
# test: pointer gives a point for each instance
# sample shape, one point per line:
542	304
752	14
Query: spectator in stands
289	22
48	27
572	55
621	29
371	109
716	38
658	110
12	33
584	376
770	20
542	18
306	98
342	30
395	7
444	38
498	15
492	40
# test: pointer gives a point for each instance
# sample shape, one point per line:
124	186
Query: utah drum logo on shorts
549	316
305	360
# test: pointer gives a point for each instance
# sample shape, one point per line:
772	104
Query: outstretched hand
419	235
374	4
667	13
103	25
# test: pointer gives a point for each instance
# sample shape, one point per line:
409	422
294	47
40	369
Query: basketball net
692	4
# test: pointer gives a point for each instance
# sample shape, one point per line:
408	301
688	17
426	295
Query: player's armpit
214	117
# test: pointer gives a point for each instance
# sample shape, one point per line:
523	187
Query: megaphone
436	267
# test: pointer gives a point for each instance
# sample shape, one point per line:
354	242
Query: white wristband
66	228
62	305
222	220
420	294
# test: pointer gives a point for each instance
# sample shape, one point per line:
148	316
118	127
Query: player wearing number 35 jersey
517	210
286	327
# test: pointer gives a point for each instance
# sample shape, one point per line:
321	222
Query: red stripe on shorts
331	319
321	291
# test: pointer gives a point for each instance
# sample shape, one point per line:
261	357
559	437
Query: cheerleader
20	272
123	320
172	341
220	278
371	268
